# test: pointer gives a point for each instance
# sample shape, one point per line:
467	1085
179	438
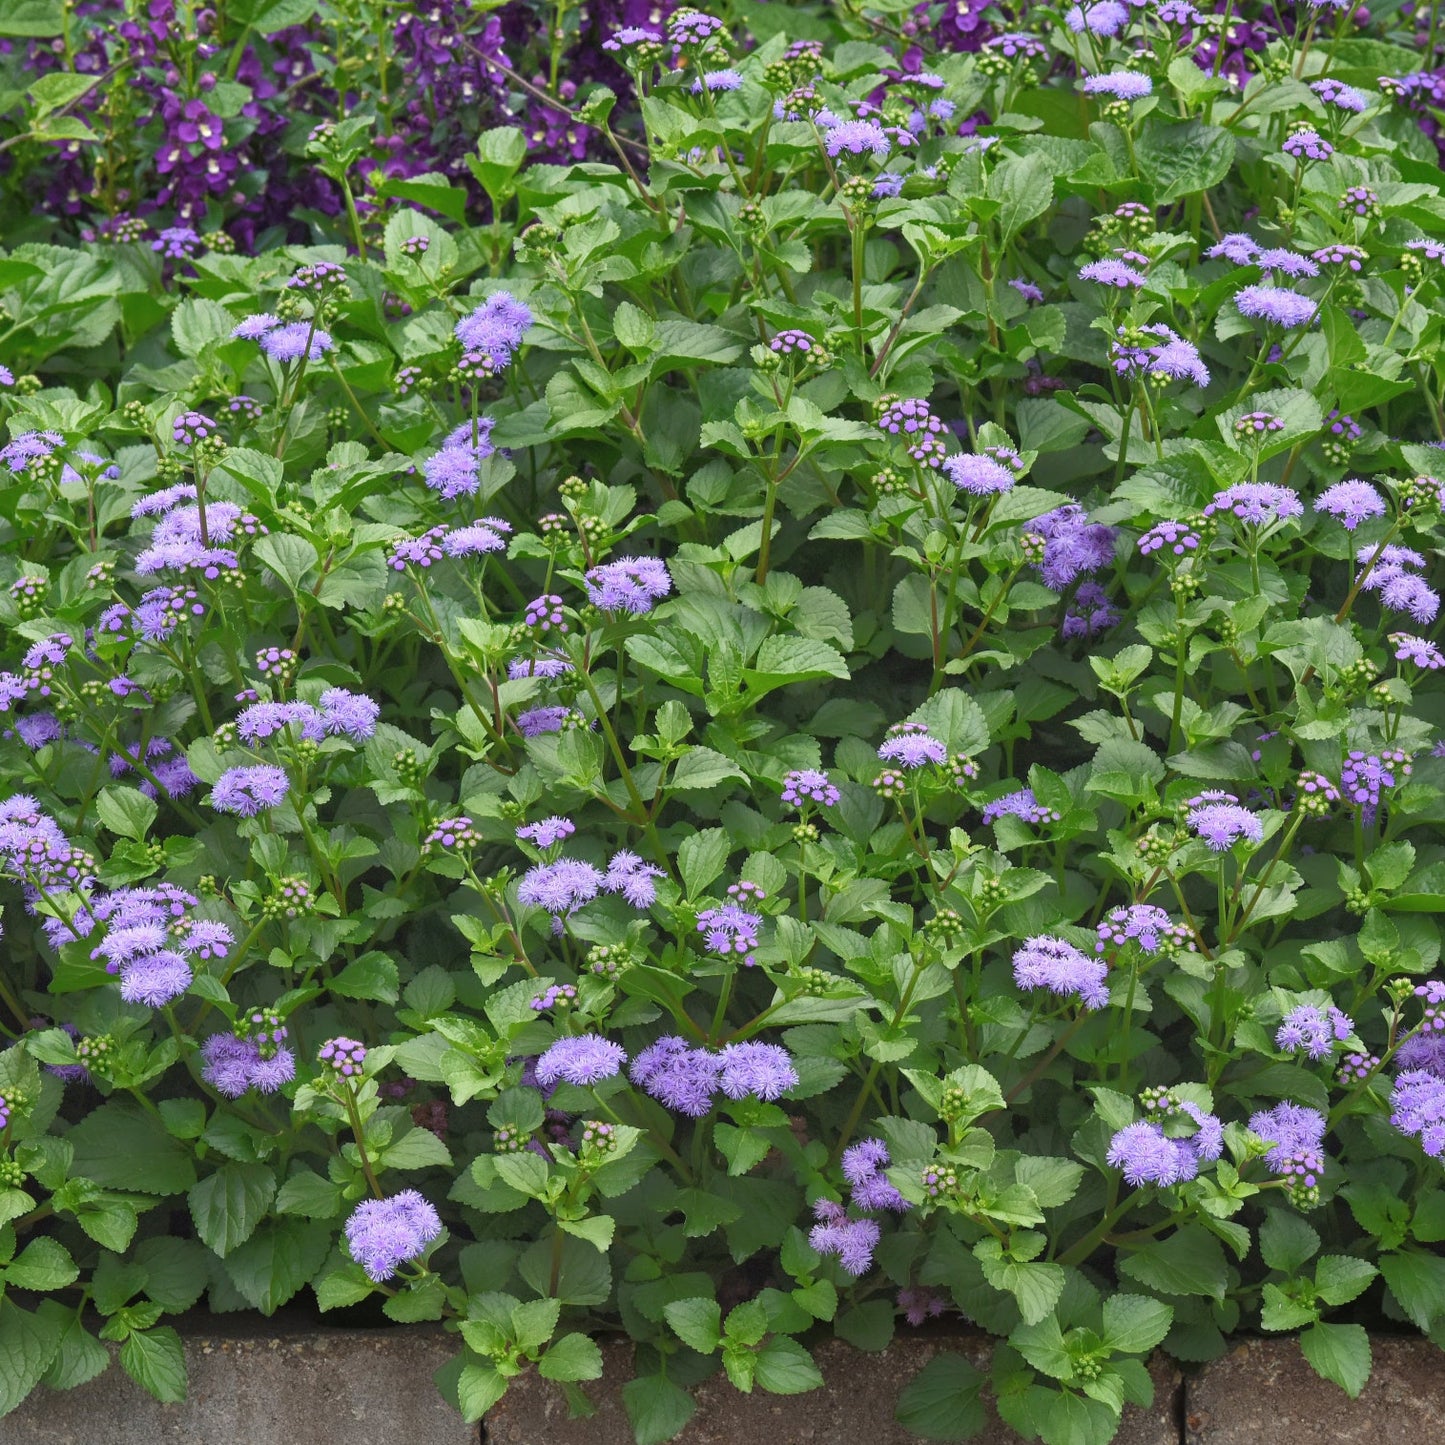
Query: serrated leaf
155	1360
1340	1353
941	1402
228	1205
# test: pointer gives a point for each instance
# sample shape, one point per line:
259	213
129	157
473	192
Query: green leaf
44	1264
573	1357
696	1322
266	17
1339	1278
1024	187
228	1205
81	1357
37	18
28	1343
784	660
1417	1280
309	1195
701	858
1340	1353
1189	1261
657	1408
286	555
1177	160
479	1387
941	1402
198	325
423	1299
279	1258
121	1146
1134	1324
155	1360
372	976
417	1149
58	88
597	1229
1035	1287
700	768
1282	1311
784	1367
1286	1241
534	1322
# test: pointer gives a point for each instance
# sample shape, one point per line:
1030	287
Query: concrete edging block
360	1387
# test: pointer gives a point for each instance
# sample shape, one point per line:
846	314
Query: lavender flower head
155	979
247	791
561	887
628	875
850	1241
1123	84
909	746
547	832
1418	651
1175	539
1020	804
1106	17
1144	1154
292	342
756	1070
979	476
383	1234
863	1164
856	137
803	786
1145	924
730	930
1295	1134
494	330
1313	1031
1276	304
1112	272
1417	1108
1352	502
629	584
1221	822
1055	964
1258	503
580	1059
678	1076
343	1056
1072	546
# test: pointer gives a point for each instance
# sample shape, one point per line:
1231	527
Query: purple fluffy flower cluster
1145	1154
492	333
688	1079
909	746
1295	1135
384	1234
1072	546
1417	1108
1313	1031
805	786
630	584
1218	819
1055	964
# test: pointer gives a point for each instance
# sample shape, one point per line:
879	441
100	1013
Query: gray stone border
312	1386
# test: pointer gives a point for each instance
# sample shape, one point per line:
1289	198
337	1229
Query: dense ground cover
727	676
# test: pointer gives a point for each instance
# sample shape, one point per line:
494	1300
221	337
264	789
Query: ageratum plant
824	719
